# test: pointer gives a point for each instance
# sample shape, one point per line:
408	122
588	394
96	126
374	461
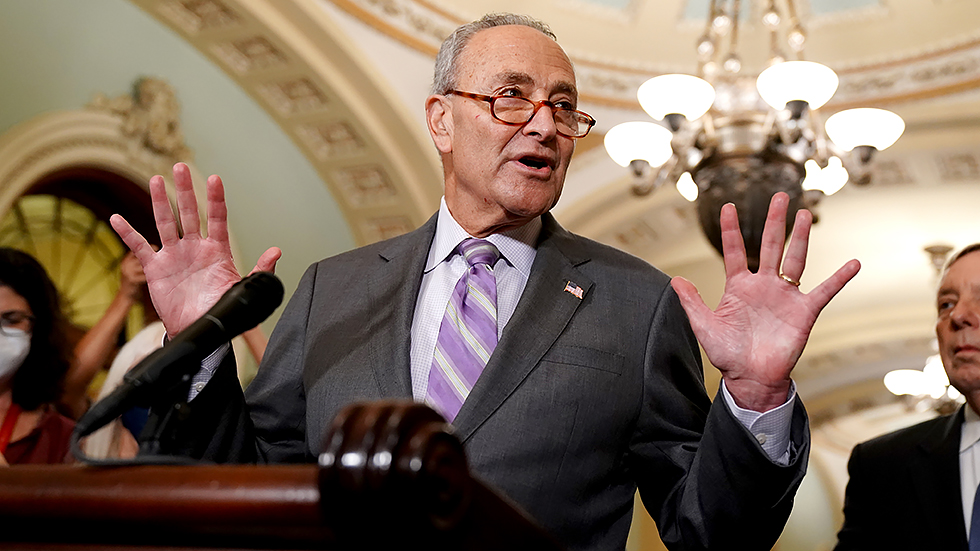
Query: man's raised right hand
190	273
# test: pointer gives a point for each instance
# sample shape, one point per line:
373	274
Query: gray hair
444	78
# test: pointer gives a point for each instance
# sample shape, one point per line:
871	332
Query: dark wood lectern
391	476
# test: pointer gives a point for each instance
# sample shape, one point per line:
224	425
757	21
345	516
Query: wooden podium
391	476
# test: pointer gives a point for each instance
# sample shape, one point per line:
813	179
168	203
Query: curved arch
293	60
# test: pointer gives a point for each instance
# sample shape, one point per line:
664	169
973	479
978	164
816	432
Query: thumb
267	262
692	303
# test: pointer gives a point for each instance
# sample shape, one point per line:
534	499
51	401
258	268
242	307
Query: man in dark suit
915	488
592	385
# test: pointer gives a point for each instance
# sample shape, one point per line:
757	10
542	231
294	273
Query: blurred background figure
117	439
96	348
34	358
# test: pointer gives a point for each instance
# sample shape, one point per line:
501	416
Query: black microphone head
248	303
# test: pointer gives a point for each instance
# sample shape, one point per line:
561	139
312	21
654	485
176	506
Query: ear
439	118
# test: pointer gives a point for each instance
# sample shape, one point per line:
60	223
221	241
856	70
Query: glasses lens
513	110
520	110
570	123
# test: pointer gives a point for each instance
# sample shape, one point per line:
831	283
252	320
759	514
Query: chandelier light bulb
733	64
796	38
721	23
687	187
706	48
682	94
771	19
876	128
638	140
806	81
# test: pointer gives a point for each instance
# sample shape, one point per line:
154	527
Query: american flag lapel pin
574	289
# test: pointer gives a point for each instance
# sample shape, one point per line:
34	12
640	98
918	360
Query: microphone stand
150	446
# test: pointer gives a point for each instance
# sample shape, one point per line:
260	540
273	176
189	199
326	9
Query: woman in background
34	357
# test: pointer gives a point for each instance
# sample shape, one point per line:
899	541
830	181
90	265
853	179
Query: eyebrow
517	77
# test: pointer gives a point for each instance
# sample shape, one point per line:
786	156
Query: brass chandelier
723	136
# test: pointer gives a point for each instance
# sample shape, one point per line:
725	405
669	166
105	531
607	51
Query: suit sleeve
857	532
701	474
222	426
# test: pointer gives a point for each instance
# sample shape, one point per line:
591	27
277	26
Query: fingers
267	262
132	238
190	218
795	260
692	303
821	296
731	241
217	210
162	213
774	234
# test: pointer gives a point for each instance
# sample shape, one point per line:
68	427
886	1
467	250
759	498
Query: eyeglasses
517	111
16	319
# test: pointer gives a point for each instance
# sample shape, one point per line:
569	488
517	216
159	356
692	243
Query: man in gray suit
592	385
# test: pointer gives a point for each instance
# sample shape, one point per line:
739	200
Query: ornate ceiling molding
134	137
946	69
288	55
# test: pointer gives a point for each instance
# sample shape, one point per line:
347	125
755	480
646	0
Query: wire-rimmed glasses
516	111
13	321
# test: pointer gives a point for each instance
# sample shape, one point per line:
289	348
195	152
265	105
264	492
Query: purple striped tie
468	333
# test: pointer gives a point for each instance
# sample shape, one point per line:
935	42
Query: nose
965	314
542	123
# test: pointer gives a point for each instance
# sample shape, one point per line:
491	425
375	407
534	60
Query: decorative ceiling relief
366	186
200	15
294	96
937	73
332	141
608	80
323	99
151	118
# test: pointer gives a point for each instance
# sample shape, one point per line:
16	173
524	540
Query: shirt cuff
208	367
771	428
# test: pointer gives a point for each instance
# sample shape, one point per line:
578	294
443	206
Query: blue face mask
15	344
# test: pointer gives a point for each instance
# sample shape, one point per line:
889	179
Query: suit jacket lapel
542	313
936	480
401	276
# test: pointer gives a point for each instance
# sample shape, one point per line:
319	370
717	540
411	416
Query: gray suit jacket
582	401
904	490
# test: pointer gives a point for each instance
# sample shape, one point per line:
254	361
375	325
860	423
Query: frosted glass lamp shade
636	140
905	381
687	187
682	94
797	81
833	177
877	128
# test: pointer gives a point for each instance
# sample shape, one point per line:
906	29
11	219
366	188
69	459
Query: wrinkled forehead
515	54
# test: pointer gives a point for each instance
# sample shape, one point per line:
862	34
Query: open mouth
534	162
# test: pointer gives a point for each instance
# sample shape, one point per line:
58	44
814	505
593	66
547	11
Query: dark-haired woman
33	362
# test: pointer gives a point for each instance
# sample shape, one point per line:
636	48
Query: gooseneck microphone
245	305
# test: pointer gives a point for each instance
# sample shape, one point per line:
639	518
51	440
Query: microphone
245	305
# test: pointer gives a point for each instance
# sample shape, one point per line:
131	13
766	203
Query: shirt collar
970	434
516	246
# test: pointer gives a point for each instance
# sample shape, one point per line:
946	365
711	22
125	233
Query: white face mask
14	347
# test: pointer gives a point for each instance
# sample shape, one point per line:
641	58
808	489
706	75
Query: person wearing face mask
34	358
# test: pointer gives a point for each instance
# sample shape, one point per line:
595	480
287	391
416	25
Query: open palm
190	273
756	334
